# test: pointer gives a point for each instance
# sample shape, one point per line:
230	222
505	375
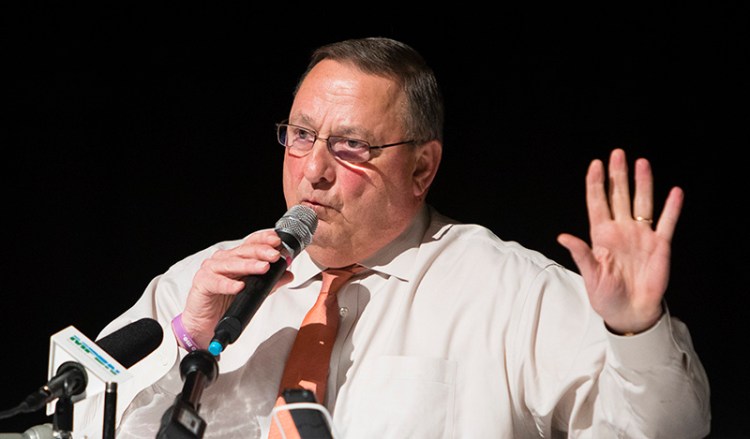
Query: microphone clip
181	421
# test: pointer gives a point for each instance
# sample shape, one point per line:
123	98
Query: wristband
183	338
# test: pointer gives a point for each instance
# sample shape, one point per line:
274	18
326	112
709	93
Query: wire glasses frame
350	150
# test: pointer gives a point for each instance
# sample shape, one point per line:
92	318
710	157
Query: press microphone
295	229
133	342
128	346
70	380
81	364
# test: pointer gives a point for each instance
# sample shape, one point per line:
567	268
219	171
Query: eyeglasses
349	150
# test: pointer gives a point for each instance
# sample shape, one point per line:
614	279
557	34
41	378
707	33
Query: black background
135	136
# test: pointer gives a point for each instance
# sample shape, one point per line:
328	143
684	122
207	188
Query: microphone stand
198	370
63	418
110	411
70	380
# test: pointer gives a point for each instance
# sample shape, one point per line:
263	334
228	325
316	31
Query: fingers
671	213
617	204
579	251
221	276
253	256
596	198
259	243
643	202
222	273
619	187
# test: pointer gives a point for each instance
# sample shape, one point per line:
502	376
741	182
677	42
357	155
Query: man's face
360	207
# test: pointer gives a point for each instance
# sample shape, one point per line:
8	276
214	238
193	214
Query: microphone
128	346
81	364
295	229
133	342
70	380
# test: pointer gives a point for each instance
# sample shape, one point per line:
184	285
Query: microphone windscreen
300	222
133	342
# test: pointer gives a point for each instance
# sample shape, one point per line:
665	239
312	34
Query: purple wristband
183	338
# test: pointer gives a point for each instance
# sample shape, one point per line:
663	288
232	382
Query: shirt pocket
404	397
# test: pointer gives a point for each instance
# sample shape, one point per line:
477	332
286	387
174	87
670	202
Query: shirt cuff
645	350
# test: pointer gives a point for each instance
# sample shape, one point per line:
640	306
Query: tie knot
335	278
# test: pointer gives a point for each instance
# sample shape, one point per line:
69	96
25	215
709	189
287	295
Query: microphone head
133	342
72	380
300	222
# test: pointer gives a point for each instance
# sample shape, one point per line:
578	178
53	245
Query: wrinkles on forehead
341	100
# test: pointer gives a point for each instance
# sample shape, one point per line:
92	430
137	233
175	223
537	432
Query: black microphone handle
246	303
295	229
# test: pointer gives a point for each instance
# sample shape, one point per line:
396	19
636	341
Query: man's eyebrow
303	119
354	131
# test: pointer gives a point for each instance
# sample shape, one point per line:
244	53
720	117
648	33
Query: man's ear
426	166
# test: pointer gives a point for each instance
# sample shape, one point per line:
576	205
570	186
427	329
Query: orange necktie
309	360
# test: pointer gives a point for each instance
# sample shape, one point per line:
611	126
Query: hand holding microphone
295	229
249	272
260	263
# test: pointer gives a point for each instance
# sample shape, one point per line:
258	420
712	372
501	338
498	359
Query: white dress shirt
451	333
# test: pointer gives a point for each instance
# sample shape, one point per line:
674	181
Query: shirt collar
395	259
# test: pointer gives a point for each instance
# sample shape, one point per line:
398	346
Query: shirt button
343	311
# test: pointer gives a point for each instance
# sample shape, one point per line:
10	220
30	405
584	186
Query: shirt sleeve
578	378
662	380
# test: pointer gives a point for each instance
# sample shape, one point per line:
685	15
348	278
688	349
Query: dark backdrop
135	137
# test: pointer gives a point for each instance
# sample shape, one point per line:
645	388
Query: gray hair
425	113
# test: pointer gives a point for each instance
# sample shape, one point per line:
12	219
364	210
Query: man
448	331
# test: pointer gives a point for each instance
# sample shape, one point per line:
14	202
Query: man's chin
328	252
